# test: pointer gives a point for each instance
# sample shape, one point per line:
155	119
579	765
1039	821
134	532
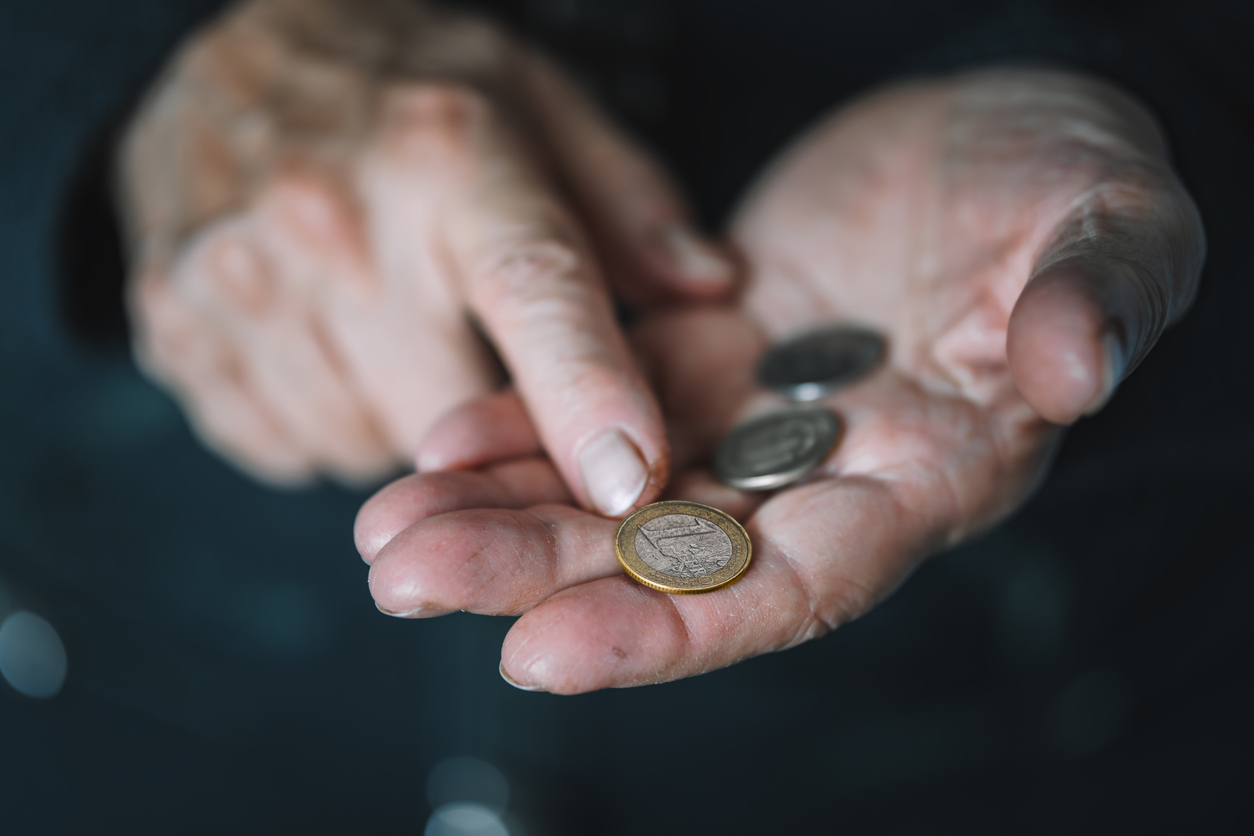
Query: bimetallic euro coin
682	547
776	449
817	363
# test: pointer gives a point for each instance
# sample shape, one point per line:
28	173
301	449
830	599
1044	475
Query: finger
640	223
494	561
701	363
167	331
262	298
825	551
821	557
531	279
183	349
493	428
1117	275
1065	352
391	309
913	475
231	420
700	360
314	247
1076	331
413	499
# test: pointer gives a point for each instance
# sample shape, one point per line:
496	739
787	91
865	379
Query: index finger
528	273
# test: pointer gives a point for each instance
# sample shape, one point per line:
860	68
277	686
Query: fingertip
382	517
515	683
1065	353
492	428
697	265
615	473
433	459
1114	363
293	475
604	634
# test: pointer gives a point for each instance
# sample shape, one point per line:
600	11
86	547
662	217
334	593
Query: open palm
1021	241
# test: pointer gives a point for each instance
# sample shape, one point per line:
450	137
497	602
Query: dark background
1086	668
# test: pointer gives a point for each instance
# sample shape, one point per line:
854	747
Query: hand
1019	238
329	200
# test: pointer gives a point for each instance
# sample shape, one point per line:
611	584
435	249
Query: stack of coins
685	547
774	450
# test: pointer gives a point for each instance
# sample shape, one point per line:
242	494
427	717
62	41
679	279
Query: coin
775	449
816	363
682	547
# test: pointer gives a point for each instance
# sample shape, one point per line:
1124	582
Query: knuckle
239	277
820	611
306	208
588	374
532	273
432	123
437	102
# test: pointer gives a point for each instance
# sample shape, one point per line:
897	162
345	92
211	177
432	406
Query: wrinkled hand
1019	238
329	200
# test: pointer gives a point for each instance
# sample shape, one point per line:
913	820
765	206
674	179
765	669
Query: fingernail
696	259
416	612
428	462
515	683
1112	372
614	474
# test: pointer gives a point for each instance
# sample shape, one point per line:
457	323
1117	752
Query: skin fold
1020	239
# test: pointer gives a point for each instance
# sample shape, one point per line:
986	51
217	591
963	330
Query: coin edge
796	476
634	575
818	389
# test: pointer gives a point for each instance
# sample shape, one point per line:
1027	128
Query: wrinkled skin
1019	238
328	201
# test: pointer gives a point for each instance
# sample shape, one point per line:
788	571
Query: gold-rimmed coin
682	547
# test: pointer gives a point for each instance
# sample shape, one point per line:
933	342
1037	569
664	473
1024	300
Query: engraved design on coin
683	546
817	363
772	446
773	450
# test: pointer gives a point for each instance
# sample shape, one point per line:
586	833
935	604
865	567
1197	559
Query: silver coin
816	363
776	449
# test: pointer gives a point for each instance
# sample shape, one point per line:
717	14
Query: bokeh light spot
32	657
465	819
465	779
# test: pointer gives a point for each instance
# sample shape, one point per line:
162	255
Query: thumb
1100	299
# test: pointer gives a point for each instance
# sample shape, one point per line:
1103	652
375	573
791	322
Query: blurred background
185	651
